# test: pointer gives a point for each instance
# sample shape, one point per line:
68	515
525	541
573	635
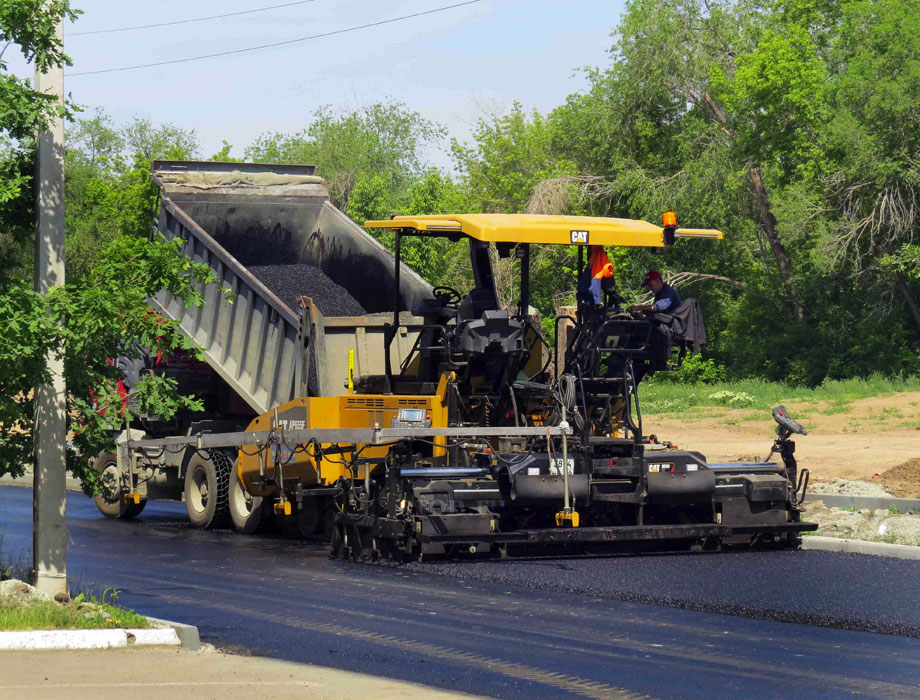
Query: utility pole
49	533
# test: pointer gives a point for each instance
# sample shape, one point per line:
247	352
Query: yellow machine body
543	229
346	411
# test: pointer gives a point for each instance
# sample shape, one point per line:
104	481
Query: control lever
786	424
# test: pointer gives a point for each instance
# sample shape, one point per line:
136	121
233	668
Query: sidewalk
26	481
156	673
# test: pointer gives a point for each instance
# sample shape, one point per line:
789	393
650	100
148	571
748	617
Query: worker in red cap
666	297
598	276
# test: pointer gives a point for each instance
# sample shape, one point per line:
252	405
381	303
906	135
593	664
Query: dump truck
289	264
440	423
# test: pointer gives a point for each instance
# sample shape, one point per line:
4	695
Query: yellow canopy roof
544	229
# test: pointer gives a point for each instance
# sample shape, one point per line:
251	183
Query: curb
25	481
32	640
187	634
879	549
836	500
171	634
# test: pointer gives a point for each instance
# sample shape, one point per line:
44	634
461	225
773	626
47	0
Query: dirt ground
857	440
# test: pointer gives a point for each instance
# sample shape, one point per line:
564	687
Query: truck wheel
110	500
309	516
207	484
245	509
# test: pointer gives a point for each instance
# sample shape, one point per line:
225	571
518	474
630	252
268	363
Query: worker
598	276
666	297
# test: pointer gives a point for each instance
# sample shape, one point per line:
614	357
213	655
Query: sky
452	66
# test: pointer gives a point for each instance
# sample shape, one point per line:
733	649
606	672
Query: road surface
528	630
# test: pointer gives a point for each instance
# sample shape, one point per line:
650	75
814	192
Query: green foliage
904	261
694	370
512	154
109	191
85	611
107	315
732	399
99	316
102	311
29	25
371	154
667	397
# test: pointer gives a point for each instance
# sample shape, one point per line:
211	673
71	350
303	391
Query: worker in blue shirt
666	297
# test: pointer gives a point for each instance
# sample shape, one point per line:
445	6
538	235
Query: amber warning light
669	218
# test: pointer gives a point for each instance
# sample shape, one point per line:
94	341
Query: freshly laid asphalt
521	629
848	591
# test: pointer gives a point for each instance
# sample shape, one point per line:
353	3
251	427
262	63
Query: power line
278	43
187	21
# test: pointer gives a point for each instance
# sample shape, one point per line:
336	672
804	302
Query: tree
373	163
873	142
741	78
29	26
109	190
100	316
372	153
511	155
102	313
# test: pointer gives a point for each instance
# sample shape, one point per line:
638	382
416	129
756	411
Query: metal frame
358	436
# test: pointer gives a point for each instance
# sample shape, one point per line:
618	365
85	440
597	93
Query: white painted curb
63	639
33	640
880	549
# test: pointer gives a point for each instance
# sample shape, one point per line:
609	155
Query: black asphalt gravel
286	599
288	282
847	591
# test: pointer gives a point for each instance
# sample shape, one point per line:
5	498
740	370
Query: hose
566	396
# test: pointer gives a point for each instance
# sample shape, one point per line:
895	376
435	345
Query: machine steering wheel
447	295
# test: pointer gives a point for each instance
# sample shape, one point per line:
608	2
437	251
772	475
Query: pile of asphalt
288	282
846	591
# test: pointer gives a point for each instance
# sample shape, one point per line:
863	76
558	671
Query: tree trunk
909	300
767	223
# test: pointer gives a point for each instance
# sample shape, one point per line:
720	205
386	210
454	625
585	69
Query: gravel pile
866	525
18	592
288	282
903	480
847	487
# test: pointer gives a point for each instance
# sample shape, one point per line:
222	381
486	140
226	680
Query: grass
83	612
758	394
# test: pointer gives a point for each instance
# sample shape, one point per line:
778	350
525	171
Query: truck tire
207	486
110	500
245	509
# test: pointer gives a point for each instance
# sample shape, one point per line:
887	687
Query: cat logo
580	237
656	467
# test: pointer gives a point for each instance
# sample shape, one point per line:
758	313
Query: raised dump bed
307	285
